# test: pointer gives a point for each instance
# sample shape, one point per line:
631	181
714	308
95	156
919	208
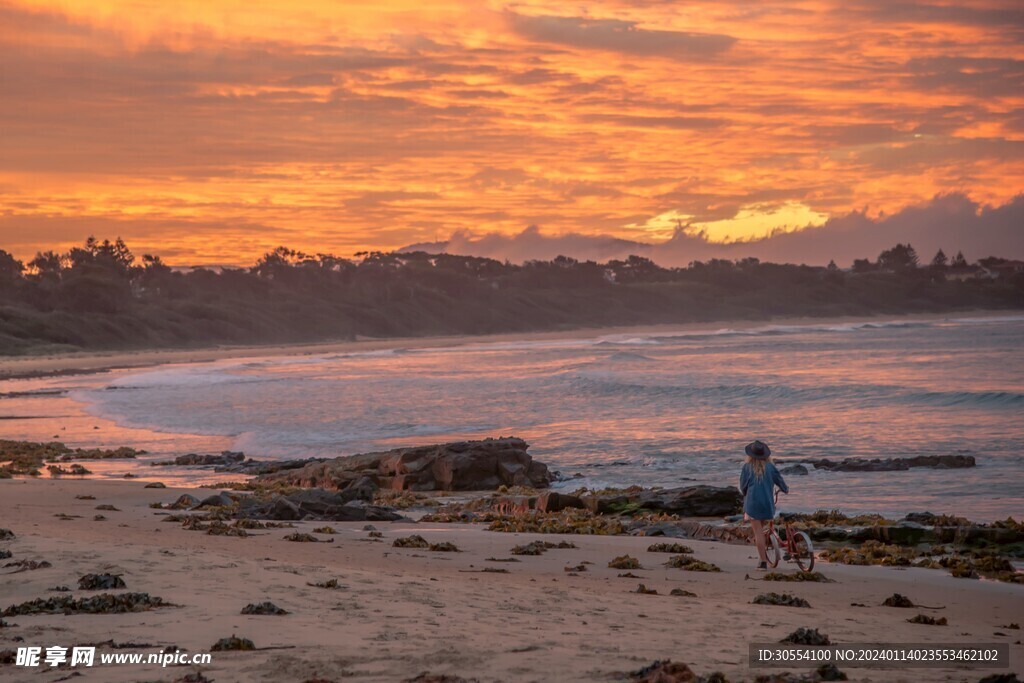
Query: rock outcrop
939	462
459	466
687	501
316	504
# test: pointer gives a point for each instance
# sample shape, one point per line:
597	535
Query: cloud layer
214	133
950	222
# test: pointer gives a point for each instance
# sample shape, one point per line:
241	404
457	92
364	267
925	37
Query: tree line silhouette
99	296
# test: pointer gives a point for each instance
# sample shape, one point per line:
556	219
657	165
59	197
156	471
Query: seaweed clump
691	564
799	577
265	607
414	541
807	636
783	599
97	604
96	582
232	643
625	562
925	619
670	548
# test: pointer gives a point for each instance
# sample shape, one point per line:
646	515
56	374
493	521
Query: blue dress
758	494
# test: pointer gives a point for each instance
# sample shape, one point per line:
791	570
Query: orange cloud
214	130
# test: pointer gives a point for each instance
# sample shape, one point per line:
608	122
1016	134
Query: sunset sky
210	131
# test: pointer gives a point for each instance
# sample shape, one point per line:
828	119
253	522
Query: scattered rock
318	504
329	583
784	599
324	530
73	469
184	502
262	608
232	643
458	466
625	562
798	470
682	593
85	497
99	518
97	604
894	464
644	590
670	548
577	568
414	541
6	535
552	501
628	575
59	589
925	619
375	534
155	485
690	501
96	582
5	554
108	507
806	636
207	460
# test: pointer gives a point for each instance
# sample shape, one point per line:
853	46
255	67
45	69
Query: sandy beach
397	613
98	361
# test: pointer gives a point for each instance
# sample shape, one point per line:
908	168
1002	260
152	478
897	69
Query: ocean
662	409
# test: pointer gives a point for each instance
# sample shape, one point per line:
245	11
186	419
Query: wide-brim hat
758	450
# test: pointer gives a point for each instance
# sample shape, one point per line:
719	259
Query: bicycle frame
796	543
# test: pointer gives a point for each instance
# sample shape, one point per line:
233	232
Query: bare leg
758	528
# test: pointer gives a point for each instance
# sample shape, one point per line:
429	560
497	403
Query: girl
757	481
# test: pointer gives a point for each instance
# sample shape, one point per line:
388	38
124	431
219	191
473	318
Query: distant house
1007	269
963	273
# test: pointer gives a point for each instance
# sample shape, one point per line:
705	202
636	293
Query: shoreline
400	612
89	362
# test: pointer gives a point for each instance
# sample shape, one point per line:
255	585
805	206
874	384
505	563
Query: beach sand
38	365
401	612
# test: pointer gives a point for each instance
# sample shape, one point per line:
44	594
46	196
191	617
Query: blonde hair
757	466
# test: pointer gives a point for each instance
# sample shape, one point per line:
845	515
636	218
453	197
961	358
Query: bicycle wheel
772	548
802	550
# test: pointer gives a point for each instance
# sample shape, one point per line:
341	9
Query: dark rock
797	470
457	466
316	504
96	582
257	467
552	501
930	621
1000	678
185	502
264	608
5	554
222	499
894	464
689	501
155	485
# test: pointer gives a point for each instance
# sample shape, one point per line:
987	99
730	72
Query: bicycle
797	545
